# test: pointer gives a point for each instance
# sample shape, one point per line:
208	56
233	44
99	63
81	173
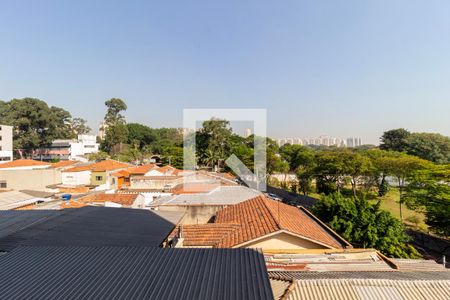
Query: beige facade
37	179
282	240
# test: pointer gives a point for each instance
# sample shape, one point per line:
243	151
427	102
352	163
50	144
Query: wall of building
284	241
198	214
76	178
154	182
30	179
95	181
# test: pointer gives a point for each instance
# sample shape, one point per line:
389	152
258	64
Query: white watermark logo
255	179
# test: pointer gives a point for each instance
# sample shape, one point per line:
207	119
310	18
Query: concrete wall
198	214
284	241
153	183
30	179
76	178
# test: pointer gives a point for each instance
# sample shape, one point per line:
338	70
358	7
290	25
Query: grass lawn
390	203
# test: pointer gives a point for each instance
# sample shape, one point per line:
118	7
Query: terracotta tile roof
124	199
170	170
123	173
108	165
204	235
79	168
260	216
63	163
24	163
141	170
104	165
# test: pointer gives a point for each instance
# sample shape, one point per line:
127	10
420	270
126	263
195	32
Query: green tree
79	126
115	135
395	140
430	146
113	114
214	136
429	192
330	171
35	123
116	130
401	167
365	225
140	135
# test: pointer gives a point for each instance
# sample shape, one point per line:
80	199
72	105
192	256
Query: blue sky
342	68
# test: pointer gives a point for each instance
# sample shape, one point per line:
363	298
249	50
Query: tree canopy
35	123
365	225
429	191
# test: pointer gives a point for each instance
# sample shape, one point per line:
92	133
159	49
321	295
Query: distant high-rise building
248	132
322	141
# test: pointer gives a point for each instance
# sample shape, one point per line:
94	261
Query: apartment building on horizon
321	141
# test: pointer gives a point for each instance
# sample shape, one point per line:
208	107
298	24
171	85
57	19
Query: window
99	178
3	184
0	148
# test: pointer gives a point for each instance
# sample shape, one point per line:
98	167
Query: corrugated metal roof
369	289
390	275
12	221
223	195
133	273
93	226
15	199
344	260
279	287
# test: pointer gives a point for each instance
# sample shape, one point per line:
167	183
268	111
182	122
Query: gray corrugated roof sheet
390	275
15	199
222	195
12	221
90	226
373	289
133	273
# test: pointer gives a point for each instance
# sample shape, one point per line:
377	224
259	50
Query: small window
99	178
3	184
0	148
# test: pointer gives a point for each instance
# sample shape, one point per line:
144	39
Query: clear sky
342	68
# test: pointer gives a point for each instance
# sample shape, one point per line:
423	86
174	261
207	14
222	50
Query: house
28	174
261	223
77	176
6	143
133	272
122	178
202	206
101	172
68	149
96	174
